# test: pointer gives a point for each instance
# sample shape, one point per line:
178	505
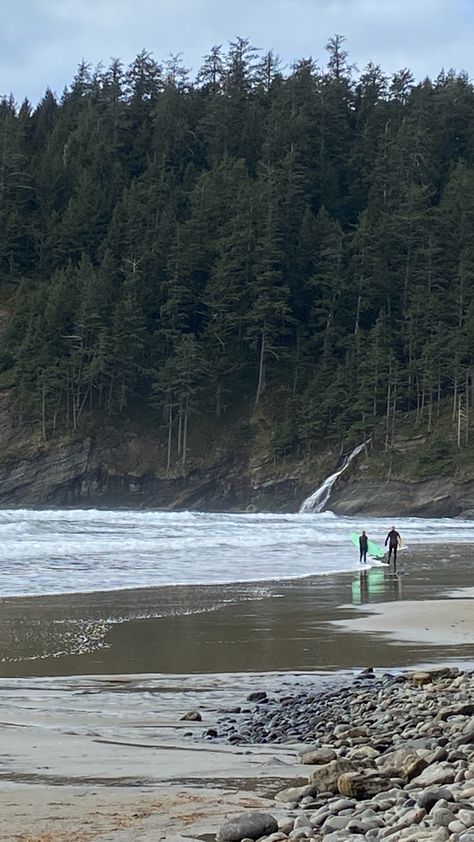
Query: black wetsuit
392	540
363	547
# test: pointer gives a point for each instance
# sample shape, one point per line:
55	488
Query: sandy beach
438	622
93	688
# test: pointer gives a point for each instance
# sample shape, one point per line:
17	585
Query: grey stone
302	821
341	804
250	825
442	816
440	835
455	710
295	793
192	716
257	696
438	773
319	816
333	823
318	756
466	817
456	826
286	824
403	763
357	826
429	797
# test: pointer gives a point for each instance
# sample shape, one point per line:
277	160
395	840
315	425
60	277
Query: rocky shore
389	757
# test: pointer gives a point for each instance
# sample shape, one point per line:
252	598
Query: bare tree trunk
122	394
185	431
88	394
43	410
297	359
466	421
261	369
394	410
387	412
74	410
180	424
111	391
459	419
68	403
170	433
56	410
358	309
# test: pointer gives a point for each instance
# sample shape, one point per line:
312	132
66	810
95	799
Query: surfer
363	547
393	540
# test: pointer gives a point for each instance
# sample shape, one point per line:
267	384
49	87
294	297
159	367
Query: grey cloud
42	41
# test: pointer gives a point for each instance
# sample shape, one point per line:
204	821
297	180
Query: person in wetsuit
392	540
363	547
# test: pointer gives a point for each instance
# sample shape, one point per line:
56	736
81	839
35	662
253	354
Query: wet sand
105	757
438	622
230	628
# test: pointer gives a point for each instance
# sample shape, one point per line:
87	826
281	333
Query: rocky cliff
125	467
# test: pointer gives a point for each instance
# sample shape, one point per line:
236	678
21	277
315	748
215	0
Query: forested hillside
299	238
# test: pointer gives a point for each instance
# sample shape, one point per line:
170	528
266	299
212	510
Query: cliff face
83	473
125	468
429	498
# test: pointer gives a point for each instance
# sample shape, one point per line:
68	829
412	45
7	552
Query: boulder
429	797
318	756
436	774
325	778
403	763
247	826
362	785
419	678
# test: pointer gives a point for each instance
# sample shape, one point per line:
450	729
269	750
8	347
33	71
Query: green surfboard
373	548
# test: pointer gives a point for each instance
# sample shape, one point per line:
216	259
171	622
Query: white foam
91	550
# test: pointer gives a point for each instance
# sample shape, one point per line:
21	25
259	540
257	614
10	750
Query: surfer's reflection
373	585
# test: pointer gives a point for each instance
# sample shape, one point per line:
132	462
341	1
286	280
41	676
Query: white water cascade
318	499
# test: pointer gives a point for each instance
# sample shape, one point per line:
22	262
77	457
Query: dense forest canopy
303	237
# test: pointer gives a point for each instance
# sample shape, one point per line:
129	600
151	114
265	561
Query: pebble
392	758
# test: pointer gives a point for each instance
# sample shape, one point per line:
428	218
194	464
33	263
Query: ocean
88	550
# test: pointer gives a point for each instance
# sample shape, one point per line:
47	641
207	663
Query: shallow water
72	551
282	625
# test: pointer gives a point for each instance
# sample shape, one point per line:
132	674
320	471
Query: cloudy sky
42	41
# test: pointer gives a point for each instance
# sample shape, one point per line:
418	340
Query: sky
42	41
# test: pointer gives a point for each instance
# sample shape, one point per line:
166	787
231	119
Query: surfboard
372	548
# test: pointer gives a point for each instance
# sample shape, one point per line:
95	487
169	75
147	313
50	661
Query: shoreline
114	738
285	625
131	766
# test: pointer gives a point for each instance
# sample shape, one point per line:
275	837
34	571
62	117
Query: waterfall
318	499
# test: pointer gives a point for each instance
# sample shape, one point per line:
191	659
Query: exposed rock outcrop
125	467
442	497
